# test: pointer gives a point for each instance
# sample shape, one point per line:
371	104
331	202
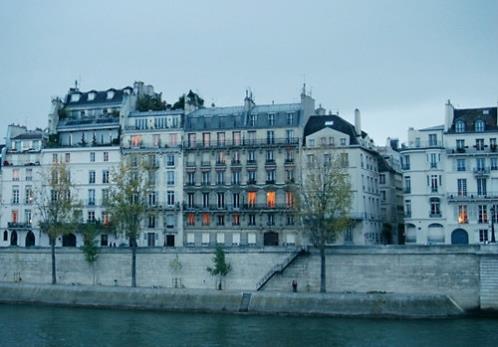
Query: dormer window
91	96
75	97
460	126
479	126
110	94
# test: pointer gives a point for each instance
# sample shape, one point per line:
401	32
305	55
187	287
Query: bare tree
127	205
56	206
323	202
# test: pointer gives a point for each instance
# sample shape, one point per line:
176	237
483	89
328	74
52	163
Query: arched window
479	126
5	235
460	126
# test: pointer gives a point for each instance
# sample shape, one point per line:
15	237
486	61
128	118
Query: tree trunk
52	248
322	269
133	262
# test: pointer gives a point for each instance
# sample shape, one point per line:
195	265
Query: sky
397	61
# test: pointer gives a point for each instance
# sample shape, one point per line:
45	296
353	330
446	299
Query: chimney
448	115
357	121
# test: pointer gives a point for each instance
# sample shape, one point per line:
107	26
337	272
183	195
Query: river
27	325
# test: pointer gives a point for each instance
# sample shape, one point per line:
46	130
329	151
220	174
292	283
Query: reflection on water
25	325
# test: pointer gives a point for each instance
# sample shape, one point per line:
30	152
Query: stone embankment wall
469	275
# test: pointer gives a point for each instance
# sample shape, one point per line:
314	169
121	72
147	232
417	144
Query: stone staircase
279	268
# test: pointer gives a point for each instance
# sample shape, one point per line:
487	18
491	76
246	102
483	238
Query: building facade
451	178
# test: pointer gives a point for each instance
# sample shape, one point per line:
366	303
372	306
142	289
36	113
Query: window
408	185
235	219
251	156
252	137
269	156
289	199
191	219
103	240
289	135
67	157
170	177
481	187
28	199
270	199
221	199
270	137
405	162
91	197
434	183
290	219
460	145
252	120
382	179
206	219
251	199
479	126
152	199
15	174
29	174
482	214
170	160
205	200
460	164
251	238
220	177
251	219
270	176
494	163
15	195
220	219
205	238
173	139
483	235
151	221
435	207
91	176
459	126
91	216
236	137
191	140
462	214
191	178
433	160
190	238
408	208
14	216
206	139
271	119
105	176
481	164
236	200
462	186
206	177
480	144
105	218
220	138
251	177
156	140
344	159
432	140
170	197
236	177
106	156
290	118
105	195
289	175
270	219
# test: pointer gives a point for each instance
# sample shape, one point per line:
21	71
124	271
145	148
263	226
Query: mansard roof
470	115
100	97
317	123
31	135
237	116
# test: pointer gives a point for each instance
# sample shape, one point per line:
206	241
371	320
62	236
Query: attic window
330	122
485	112
479	126
110	94
75	97
91	96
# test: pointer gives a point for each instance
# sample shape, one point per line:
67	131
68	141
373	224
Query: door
13	238
270	238
151	239
30	239
459	237
170	240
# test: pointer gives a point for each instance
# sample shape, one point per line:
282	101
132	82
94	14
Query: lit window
191	219
136	140
206	219
251	198
270	199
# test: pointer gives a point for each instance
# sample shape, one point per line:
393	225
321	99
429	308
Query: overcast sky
398	61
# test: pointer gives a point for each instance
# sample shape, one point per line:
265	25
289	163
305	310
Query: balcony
481	171
191	164
18	225
205	164
489	196
270	162
251	181
422	144
435	215
251	163
270	182
407	190
236	162
244	142
221	163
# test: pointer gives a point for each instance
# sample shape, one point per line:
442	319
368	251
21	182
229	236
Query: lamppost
493	240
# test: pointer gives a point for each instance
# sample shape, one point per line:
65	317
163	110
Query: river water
26	325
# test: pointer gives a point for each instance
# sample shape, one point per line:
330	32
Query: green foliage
150	103
221	267
324	199
127	199
90	248
191	98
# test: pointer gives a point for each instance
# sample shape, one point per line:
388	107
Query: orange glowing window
206	219
191	219
251	198
270	199
14	216
105	218
136	140
462	214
